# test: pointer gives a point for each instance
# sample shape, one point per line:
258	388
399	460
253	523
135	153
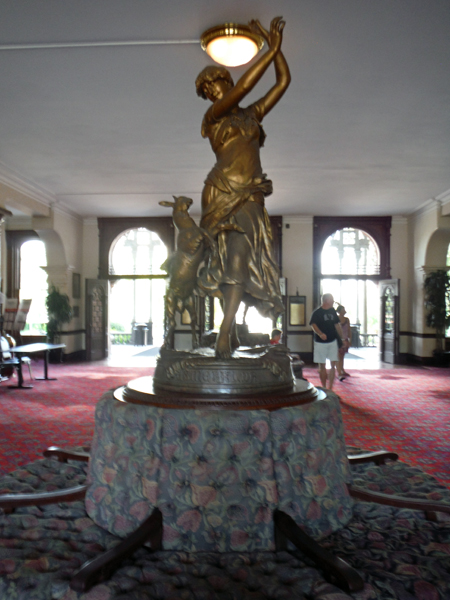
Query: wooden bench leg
336	569
102	567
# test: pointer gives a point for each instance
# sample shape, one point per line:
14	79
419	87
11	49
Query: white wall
298	270
62	234
429	232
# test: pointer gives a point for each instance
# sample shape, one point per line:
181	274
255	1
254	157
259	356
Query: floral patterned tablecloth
217	475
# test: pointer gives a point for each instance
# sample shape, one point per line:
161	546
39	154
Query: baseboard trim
77	356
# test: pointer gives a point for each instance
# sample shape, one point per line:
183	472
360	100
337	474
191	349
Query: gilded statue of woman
234	191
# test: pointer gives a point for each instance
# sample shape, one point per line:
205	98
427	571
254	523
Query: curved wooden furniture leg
11	501
340	572
65	455
430	508
379	458
102	567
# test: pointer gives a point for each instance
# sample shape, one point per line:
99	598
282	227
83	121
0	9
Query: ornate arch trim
379	228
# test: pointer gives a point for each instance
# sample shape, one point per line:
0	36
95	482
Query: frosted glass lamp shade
231	45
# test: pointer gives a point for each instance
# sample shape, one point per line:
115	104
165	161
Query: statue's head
210	74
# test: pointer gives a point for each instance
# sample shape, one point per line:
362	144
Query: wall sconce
230	44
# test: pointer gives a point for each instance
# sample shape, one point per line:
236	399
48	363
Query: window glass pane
361	301
350	252
218	314
136	301
137	252
33	284
255	322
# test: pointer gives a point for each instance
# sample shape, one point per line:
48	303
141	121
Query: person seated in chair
275	337
6	370
8	361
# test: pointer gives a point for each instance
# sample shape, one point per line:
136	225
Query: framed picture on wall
297	310
76	285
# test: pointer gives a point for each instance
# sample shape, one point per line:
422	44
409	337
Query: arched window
26	279
33	284
351	252
137	287
137	252
350	267
358	258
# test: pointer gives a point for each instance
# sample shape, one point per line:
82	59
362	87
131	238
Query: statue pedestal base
251	371
144	391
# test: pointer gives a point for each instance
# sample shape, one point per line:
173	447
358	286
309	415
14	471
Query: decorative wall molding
424	336
308	332
33	197
431	205
90	221
59	276
444	197
25	186
424	269
65	211
18	223
400	220
302	219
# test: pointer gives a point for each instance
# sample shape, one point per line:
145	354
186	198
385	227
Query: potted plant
437	305
59	312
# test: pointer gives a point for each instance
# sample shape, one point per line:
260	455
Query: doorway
389	326
137	290
33	285
350	266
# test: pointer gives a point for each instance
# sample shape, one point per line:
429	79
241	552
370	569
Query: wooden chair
8	362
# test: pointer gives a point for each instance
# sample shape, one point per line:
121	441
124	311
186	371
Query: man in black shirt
327	328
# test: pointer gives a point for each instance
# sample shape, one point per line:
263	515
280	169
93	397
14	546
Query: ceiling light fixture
230	44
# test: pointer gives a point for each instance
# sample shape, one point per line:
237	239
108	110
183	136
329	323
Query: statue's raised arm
283	75
251	77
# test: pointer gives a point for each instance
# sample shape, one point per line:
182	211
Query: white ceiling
364	128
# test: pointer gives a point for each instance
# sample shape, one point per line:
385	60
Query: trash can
140	334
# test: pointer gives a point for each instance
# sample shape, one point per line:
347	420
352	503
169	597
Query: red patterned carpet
58	412
405	410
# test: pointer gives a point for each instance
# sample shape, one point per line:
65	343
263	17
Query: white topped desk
38	347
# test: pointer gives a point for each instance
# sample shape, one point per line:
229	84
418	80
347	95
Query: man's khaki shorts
325	350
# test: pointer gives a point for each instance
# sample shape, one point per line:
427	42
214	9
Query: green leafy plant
437	305
59	312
